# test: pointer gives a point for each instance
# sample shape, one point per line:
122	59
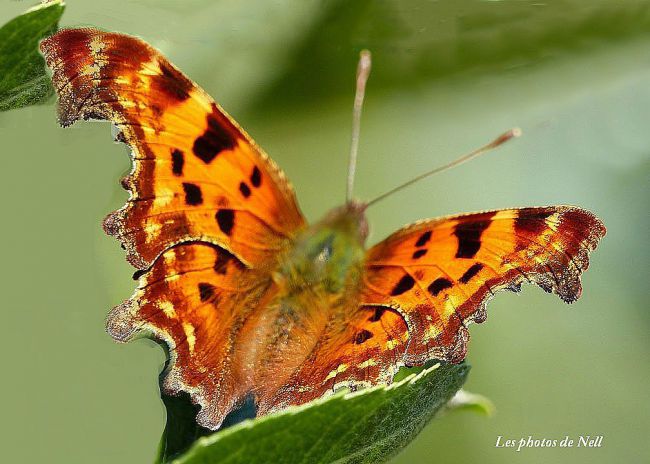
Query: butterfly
248	297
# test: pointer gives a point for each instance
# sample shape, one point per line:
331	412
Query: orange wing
195	298
439	274
196	174
207	216
364	350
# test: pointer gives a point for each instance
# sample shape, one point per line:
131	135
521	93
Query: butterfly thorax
327	255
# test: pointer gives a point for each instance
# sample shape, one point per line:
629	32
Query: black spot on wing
417	254
213	141
439	285
423	239
532	220
206	291
256	177
156	110
404	285
377	314
172	83
245	189
221	263
362	337
193	195
226	220
139	273
469	234
178	160
471	272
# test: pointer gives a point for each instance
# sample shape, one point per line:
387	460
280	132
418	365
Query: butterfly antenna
500	140
363	71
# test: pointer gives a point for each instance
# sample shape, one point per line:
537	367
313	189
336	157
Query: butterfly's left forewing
439	274
196	174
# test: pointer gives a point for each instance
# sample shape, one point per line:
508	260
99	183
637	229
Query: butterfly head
349	219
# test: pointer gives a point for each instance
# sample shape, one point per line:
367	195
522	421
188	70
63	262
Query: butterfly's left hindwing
195	298
439	274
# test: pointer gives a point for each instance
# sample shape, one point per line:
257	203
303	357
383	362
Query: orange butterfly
248	297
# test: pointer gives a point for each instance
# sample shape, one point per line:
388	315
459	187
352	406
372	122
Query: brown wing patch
190	159
195	299
367	351
439	274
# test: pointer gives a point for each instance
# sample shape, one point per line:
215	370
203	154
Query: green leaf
416	42
181	429
23	80
369	426
468	401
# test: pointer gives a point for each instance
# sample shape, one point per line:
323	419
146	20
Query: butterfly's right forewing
439	274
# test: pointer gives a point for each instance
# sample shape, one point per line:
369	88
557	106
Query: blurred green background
448	76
